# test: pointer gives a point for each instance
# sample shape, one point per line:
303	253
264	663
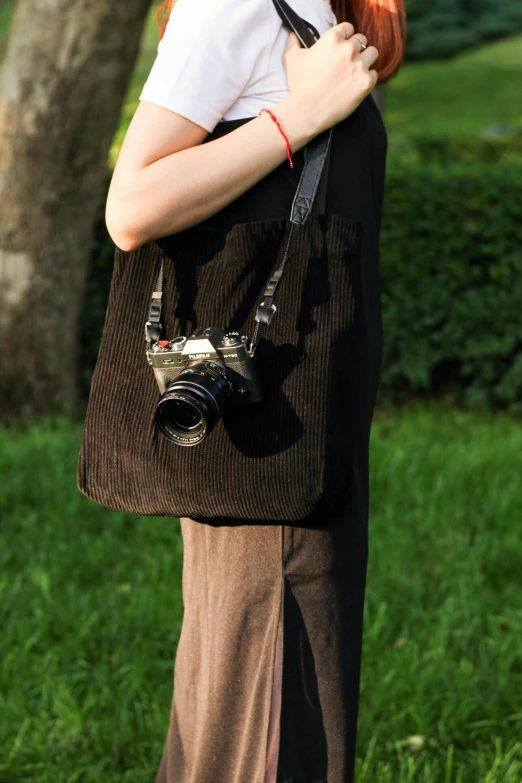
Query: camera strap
310	190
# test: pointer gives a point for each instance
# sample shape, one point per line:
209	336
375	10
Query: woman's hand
333	76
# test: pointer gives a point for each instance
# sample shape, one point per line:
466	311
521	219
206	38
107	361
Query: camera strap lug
154	327
265	313
153	332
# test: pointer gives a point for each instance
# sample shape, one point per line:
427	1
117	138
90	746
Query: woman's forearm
182	189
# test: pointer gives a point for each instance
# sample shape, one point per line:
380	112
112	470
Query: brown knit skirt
236	579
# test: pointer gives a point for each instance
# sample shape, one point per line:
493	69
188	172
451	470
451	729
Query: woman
266	682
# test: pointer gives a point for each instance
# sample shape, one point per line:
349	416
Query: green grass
459	97
91	611
90	615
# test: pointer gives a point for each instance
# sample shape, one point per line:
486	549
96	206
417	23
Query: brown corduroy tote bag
283	458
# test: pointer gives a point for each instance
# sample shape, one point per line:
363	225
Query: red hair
383	22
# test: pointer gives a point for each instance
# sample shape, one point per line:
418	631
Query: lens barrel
193	403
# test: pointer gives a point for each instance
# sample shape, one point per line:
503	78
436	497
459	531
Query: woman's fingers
345	33
358	40
375	76
335	72
369	55
341	31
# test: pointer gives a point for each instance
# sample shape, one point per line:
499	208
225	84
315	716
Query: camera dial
232	338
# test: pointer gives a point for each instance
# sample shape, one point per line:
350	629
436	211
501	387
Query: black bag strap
313	175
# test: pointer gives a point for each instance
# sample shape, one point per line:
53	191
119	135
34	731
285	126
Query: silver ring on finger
363	45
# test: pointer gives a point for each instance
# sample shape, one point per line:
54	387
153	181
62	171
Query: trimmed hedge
445	27
501	148
451	272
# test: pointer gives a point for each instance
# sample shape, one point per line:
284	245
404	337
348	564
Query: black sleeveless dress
239	576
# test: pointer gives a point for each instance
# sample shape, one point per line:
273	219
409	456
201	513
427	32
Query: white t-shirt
222	59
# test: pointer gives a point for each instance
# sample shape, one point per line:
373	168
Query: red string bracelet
288	150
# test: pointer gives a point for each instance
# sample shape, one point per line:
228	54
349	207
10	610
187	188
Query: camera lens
185	414
193	403
180	418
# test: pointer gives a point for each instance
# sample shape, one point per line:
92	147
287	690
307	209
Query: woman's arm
166	180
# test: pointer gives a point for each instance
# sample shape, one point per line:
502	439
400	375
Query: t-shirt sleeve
207	55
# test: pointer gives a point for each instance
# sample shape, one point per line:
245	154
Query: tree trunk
62	81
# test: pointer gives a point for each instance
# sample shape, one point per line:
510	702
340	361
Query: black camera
199	377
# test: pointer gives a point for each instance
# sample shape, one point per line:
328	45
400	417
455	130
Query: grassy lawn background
91	611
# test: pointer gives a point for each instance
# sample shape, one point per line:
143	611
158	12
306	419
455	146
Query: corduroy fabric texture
279	460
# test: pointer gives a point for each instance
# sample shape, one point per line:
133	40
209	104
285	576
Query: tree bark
63	78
